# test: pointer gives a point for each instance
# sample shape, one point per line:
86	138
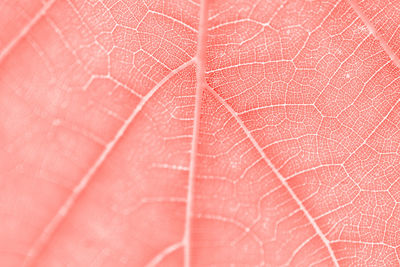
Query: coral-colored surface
291	158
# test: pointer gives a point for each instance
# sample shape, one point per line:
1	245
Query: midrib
200	60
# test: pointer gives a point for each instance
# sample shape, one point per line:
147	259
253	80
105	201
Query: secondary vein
42	12
50	228
275	170
384	44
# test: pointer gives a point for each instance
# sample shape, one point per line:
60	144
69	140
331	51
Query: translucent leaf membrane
298	152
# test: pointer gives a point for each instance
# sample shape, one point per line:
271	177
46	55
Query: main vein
200	83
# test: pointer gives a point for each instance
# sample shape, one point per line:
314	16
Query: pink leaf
199	133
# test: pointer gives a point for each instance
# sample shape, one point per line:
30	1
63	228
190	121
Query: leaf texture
199	133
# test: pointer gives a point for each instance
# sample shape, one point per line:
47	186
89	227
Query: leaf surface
199	133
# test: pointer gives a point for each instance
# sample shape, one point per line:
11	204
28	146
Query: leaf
199	133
